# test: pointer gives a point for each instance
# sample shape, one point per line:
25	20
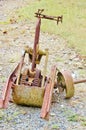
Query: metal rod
20	67
40	15
36	41
79	81
48	94
45	67
6	90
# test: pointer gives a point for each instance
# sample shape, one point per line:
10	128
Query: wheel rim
65	80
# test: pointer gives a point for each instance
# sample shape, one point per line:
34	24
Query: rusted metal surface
36	41
20	68
65	80
24	77
12	79
79	81
40	15
27	95
30	87
6	91
37	79
48	94
45	68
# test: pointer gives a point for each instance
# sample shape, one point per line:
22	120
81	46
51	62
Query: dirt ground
64	114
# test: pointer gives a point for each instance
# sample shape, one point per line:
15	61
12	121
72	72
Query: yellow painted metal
27	95
65	80
39	55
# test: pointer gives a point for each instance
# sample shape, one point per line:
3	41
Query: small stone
62	106
52	114
5	32
1	68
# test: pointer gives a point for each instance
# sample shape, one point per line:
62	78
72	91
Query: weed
74	118
55	127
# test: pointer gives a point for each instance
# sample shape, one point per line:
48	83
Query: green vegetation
73	27
84	123
1	114
4	22
77	118
55	127
59	59
13	116
73	117
3	79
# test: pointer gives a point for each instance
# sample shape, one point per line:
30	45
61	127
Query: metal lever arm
36	42
55	18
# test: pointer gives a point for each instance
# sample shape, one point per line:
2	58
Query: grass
84	123
55	127
82	72
73	27
59	59
74	117
77	118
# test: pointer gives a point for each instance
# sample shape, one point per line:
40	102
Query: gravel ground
64	114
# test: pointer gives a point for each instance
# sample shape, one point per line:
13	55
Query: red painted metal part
55	18
36	41
37	32
7	89
48	94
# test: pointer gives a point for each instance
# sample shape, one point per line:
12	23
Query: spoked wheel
65	81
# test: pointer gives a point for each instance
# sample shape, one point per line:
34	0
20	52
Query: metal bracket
40	15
